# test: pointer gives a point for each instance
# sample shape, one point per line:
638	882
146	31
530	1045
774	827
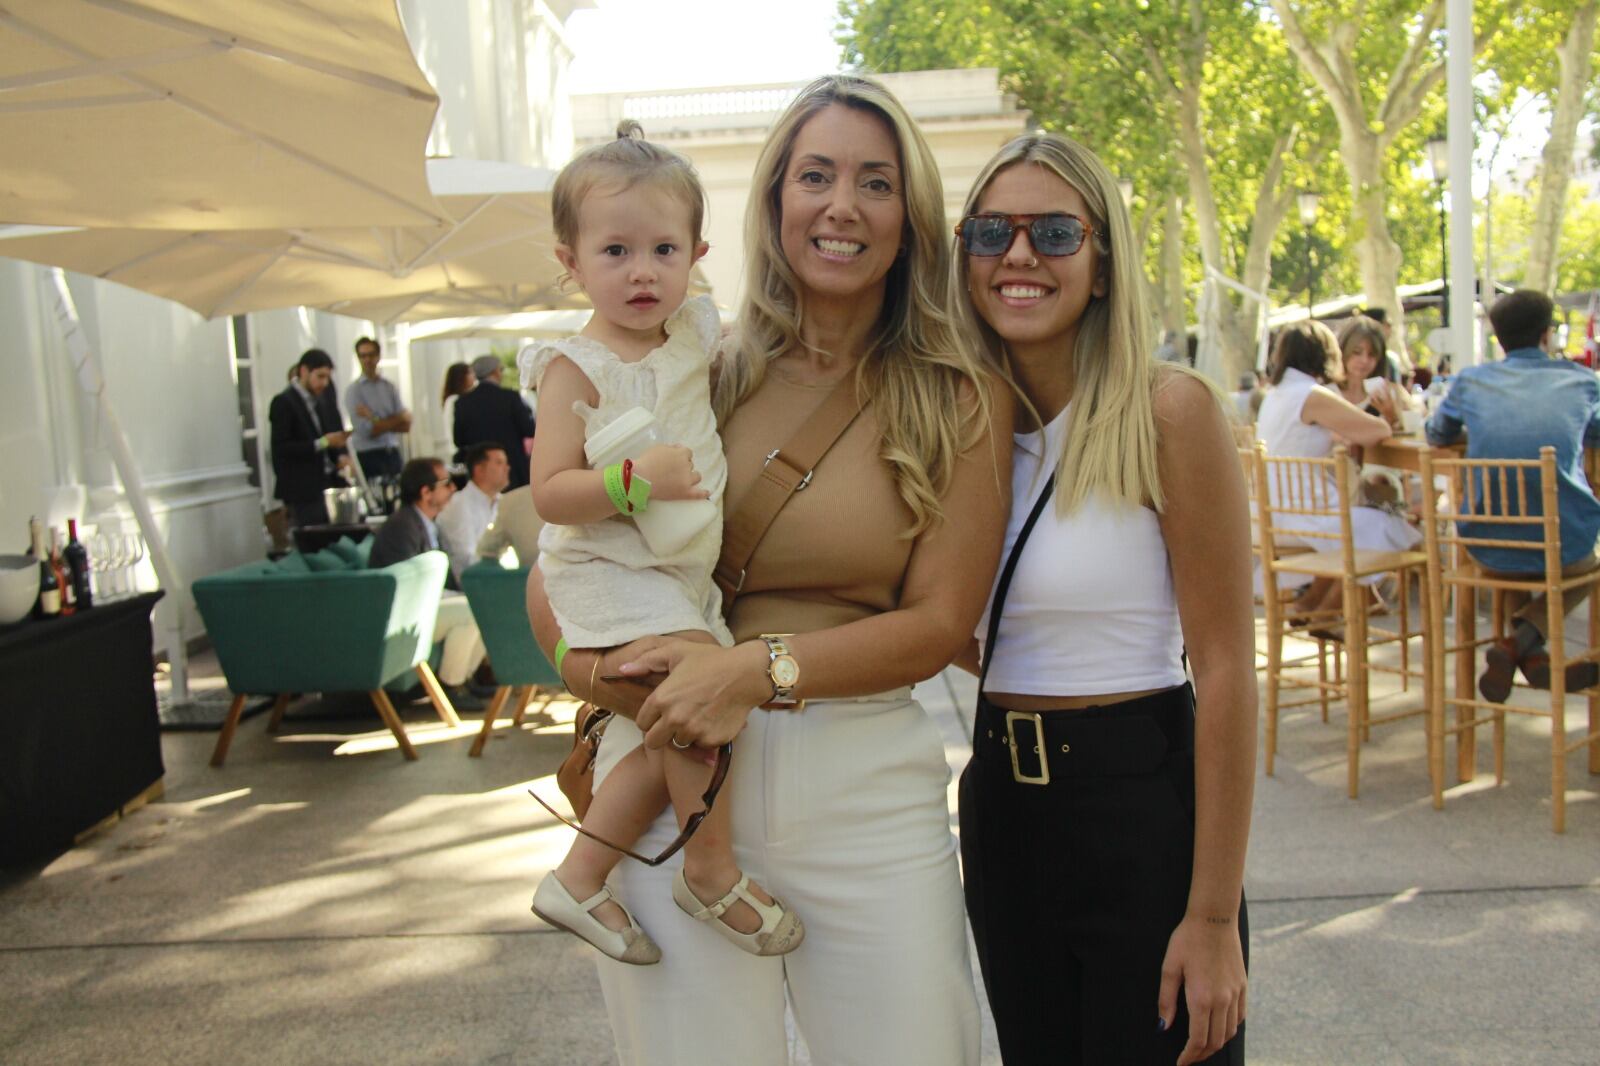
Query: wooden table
1405	452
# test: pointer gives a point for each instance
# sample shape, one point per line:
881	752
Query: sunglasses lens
986	235
1056	235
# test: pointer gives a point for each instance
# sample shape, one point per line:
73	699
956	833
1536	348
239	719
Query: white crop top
1091	608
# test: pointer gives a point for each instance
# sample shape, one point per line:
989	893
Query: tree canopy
1234	106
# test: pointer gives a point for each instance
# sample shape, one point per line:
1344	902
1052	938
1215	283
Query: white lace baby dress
605	586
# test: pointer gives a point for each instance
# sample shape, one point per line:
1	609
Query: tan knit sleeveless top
836	552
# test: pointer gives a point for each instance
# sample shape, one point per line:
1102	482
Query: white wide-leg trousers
839	810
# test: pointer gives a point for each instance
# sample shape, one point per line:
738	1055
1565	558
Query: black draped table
79	735
308	539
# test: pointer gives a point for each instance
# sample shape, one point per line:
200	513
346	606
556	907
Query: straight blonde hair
1111	443
919	363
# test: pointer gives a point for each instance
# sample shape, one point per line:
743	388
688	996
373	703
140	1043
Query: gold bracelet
594	672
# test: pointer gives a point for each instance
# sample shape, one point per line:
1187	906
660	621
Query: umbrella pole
91	378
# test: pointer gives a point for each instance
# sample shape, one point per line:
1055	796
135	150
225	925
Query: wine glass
112	553
100	565
133	550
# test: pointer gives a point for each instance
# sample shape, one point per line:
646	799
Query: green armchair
498	598
324	623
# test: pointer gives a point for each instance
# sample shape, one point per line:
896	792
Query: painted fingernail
1161	1025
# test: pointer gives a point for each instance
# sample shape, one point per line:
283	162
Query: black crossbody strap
998	605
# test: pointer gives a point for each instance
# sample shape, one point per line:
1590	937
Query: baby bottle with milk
666	525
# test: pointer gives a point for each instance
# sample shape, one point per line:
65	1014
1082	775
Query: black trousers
1074	887
307	512
380	462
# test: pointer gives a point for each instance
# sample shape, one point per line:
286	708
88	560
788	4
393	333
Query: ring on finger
679	744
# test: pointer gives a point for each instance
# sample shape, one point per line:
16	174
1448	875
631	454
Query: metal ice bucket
345	506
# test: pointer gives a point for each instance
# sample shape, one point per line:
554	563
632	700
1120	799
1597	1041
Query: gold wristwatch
782	671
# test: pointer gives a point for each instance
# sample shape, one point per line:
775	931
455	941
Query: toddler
628	217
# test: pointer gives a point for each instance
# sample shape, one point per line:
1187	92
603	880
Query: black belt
1113	740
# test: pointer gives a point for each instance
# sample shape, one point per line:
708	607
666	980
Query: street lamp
1125	186
1439	170
1308	202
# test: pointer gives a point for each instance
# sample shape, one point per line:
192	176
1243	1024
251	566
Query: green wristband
561	652
613	483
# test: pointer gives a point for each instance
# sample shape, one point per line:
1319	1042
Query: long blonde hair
918	360
1111	443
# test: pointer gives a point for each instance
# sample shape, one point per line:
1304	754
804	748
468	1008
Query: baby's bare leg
708	863
624	805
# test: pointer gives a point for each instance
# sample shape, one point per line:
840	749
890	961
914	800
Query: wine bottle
63	579
49	603
76	556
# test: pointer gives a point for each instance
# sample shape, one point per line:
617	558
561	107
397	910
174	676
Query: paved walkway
318	900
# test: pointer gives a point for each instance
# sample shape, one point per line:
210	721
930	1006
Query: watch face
785	672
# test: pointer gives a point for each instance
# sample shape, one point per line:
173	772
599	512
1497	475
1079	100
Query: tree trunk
1220	355
1174	309
1376	250
1272	204
1555	167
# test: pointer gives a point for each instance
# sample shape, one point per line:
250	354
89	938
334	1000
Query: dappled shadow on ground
315	899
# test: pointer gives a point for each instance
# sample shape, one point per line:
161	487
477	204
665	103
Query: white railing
694	105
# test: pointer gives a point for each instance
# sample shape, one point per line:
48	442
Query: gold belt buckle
1012	718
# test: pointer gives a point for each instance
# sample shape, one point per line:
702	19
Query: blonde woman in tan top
875	575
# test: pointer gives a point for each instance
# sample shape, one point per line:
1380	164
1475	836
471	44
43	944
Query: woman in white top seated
1103	817
1304	417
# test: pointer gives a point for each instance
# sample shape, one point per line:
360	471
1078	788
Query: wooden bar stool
1309	500
1512	504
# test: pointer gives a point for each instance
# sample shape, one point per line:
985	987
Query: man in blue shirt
378	413
1510	410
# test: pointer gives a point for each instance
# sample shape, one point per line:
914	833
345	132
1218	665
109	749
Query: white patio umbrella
537	325
200	114
460	300
495	237
195	113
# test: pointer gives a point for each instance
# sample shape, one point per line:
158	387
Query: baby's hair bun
629	130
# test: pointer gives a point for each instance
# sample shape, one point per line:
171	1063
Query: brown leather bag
575	777
787	471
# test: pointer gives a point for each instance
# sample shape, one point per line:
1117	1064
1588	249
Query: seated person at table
472	510
425	489
516	528
1303	417
1510	410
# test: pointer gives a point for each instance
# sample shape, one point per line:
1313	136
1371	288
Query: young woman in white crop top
1105	813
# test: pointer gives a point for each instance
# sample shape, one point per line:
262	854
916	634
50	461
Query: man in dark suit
425	487
306	449
493	413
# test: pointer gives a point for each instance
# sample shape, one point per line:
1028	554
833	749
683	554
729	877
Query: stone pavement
318	900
